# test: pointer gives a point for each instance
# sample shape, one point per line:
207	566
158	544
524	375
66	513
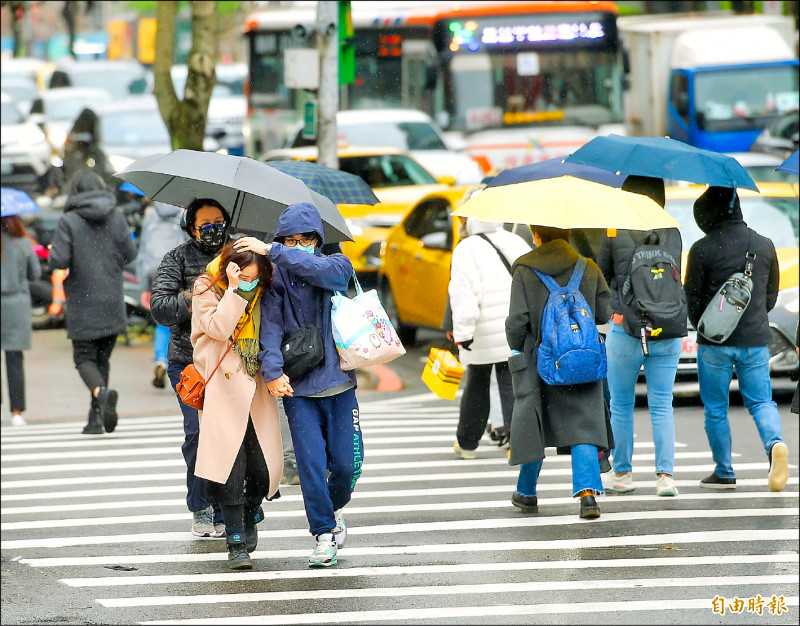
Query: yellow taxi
772	213
398	181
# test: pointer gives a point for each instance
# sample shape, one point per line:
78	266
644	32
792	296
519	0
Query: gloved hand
465	344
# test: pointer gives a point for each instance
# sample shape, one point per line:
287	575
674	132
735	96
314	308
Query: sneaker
18	420
203	523
589	508
158	375
251	519
621	484
527	504
290	475
502	436
107	404
237	553
95	424
778	466
324	555
607	478
717	482
219	530
665	486
467	455
340	530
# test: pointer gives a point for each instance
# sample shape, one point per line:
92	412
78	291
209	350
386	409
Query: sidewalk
54	391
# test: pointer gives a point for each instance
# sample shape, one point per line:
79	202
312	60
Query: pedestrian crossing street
432	538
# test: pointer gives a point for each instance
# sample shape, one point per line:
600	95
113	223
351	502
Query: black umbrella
254	193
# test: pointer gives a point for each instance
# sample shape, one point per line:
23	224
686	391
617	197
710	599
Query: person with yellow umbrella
553	415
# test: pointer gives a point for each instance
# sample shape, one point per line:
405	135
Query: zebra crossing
432	538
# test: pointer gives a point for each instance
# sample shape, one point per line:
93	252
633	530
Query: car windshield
132	128
387	170
775	218
117	81
10	114
70	108
403	135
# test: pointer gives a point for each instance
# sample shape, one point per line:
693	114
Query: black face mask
214	238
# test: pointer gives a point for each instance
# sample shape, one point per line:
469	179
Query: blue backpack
572	351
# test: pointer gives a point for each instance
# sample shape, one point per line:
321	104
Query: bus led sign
548	32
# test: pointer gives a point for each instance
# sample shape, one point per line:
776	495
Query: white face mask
309	248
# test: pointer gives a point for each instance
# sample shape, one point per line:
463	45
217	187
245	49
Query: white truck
711	81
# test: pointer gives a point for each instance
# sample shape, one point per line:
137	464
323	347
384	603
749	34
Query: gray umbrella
254	193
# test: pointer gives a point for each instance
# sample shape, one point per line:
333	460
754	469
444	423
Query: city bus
510	82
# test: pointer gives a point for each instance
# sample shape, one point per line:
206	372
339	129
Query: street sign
310	120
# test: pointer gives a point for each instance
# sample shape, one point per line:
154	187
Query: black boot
237	553
251	518
589	508
95	424
107	403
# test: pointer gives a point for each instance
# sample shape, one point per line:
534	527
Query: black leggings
475	402
15	373
92	359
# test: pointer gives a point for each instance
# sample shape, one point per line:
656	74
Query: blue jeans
585	472
196	497
715	366
625	358
161	343
328	449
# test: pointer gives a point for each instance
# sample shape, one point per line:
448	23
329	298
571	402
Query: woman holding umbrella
19	267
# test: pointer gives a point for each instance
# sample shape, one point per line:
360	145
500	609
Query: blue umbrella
130	188
553	168
16	202
662	157
790	165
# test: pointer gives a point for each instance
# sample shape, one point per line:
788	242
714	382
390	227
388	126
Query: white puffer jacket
480	290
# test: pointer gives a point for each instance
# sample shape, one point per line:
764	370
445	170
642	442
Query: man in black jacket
207	223
711	262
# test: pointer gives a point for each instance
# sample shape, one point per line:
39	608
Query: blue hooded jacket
309	280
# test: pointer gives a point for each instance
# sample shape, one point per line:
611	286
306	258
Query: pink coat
231	394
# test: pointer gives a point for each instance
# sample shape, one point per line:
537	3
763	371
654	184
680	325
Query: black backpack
652	299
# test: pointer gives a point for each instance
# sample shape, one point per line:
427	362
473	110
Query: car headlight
119	162
57	137
788	299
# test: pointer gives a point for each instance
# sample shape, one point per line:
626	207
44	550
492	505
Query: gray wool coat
19	267
93	242
545	415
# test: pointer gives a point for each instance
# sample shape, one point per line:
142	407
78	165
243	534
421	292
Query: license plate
689	346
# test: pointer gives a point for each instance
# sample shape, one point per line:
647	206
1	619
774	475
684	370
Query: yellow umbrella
567	202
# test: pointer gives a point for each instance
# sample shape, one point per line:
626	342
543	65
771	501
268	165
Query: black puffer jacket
170	298
721	253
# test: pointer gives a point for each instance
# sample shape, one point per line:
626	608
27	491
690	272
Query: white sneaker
340	530
467	455
778	466
324	555
665	486
18	420
607	478
621	484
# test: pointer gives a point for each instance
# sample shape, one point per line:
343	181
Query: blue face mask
309	248
247	286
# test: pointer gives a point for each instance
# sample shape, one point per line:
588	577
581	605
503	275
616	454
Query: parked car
25	152
120	78
780	136
773	213
56	110
405	129
29	68
22	90
397	180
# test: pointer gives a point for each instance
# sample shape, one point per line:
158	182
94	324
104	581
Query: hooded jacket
303	283
721	253
480	290
94	243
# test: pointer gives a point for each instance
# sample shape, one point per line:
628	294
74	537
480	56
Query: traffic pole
328	46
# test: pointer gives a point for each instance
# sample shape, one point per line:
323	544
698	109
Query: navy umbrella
554	168
16	202
662	157
254	193
790	165
341	187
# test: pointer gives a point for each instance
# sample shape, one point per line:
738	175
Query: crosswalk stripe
451	612
441	590
61	542
357	495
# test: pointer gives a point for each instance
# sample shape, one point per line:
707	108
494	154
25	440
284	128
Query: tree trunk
186	121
